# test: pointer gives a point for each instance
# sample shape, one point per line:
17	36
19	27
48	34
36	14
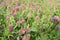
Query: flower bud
14	14
18	23
22	31
10	27
28	30
17	8
1	4
28	36
37	19
13	8
31	9
7	18
55	19
23	20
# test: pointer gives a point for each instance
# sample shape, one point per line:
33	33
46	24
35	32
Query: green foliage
44	29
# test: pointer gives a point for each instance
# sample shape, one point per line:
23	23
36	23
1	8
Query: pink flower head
18	23
55	19
14	14
37	18
7	18
18	38
10	27
1	4
17	8
22	31
31	9
13	8
28	36
23	20
28	30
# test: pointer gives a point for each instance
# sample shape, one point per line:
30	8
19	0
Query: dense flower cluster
29	19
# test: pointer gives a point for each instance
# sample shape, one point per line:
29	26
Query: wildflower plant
29	19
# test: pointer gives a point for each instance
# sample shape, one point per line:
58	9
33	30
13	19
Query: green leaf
34	29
